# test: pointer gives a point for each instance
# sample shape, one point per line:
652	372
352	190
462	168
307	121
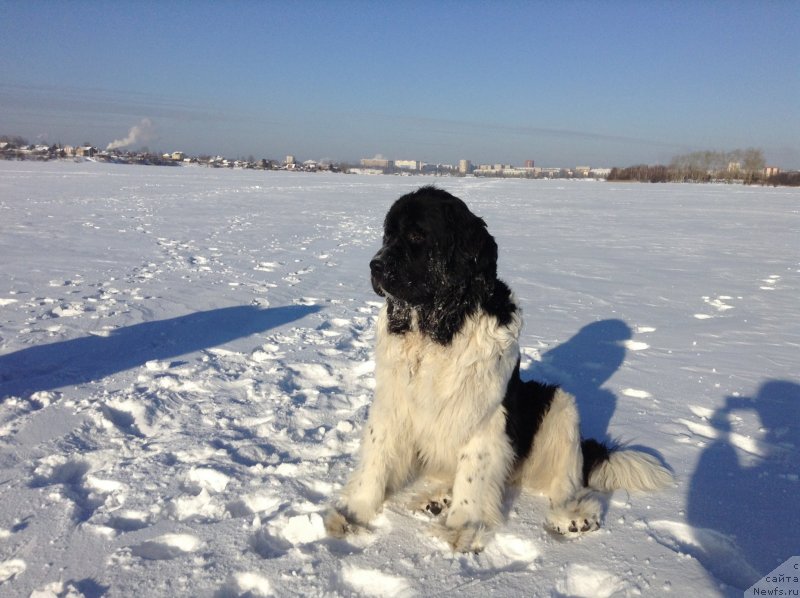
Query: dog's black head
437	260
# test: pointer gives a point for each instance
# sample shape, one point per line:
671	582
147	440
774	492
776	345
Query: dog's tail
616	468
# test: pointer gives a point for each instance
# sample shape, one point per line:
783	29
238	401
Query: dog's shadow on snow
581	366
91	358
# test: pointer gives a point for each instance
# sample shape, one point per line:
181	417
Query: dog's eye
416	237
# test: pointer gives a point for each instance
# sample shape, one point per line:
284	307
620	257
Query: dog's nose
376	266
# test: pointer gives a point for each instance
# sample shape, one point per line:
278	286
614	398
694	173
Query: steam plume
138	134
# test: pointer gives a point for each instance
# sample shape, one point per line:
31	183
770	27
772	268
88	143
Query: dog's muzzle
377	273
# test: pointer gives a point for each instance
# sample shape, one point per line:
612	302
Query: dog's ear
476	252
471	277
484	251
472	250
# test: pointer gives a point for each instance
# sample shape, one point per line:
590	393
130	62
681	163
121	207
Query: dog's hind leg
555	469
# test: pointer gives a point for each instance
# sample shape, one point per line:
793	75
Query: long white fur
630	469
438	411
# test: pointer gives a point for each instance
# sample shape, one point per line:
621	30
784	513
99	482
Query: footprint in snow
282	533
166	547
201	485
58	469
261	503
202	506
200	261
129	416
11	568
246	583
314	375
589	582
85	490
373	582
67	310
206	478
19	525
128	521
508	552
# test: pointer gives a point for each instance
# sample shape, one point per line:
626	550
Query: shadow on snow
751	500
581	366
743	506
81	360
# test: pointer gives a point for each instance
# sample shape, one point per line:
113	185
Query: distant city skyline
601	84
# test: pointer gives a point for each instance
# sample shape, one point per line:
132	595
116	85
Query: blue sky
562	83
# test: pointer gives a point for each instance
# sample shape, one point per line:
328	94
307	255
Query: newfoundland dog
449	403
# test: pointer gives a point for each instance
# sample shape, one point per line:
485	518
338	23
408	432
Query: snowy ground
185	367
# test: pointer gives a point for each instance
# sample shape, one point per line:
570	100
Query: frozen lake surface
186	364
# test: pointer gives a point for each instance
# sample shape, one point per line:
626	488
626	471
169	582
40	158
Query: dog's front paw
338	523
573	526
470	538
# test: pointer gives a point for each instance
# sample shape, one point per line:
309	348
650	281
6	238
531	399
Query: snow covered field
185	367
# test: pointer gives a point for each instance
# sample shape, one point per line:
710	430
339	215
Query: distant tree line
14	140
785	179
642	173
745	165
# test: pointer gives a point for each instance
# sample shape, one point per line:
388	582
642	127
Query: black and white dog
449	402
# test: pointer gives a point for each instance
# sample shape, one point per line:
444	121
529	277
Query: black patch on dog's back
526	404
595	453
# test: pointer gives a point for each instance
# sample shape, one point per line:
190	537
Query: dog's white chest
413	350
445	392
